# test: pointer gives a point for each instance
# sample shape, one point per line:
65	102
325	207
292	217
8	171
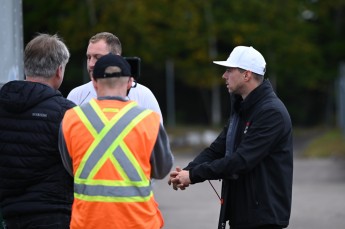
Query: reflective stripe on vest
109	144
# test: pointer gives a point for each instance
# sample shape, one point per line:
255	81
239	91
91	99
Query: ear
130	82
59	72
248	75
56	80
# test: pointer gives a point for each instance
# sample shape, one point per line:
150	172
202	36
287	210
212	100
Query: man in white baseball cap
253	155
246	58
245	71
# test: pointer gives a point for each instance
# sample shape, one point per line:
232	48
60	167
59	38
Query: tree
302	42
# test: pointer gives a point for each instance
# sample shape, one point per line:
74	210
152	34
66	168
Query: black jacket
261	161
32	177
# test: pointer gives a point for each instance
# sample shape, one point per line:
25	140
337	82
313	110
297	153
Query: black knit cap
111	60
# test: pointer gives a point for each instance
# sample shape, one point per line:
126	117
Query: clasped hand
179	179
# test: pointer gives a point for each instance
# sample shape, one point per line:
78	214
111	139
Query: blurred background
303	42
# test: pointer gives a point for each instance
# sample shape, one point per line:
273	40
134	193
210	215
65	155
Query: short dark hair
258	77
110	39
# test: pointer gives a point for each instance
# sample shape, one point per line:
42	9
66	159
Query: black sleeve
215	151
259	141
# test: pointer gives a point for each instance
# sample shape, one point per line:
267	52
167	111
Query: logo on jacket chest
42	115
246	127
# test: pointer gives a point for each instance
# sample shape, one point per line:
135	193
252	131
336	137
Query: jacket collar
253	98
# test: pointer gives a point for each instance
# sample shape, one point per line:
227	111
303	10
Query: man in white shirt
99	45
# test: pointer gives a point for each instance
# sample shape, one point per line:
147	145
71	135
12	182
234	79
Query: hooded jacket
32	177
257	173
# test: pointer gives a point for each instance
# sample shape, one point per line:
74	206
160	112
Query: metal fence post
341	97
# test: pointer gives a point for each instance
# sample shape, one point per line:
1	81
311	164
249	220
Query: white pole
11	41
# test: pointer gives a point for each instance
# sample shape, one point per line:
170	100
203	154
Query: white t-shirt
141	94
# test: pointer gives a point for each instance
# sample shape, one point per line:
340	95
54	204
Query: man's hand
179	179
173	178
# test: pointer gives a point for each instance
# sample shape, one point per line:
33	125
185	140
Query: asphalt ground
318	197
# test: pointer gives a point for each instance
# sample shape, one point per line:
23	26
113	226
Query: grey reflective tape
108	139
111	191
126	164
94	119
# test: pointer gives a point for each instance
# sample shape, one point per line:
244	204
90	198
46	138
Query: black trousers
39	221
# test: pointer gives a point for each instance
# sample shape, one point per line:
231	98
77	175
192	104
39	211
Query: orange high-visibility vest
110	143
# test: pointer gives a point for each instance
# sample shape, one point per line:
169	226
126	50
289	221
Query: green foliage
302	41
331	143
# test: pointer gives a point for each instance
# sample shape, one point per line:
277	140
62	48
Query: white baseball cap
246	58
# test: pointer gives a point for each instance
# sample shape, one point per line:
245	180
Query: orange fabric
141	140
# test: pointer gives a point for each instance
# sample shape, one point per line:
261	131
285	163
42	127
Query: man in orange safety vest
113	148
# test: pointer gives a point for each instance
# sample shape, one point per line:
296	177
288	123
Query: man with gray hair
35	189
